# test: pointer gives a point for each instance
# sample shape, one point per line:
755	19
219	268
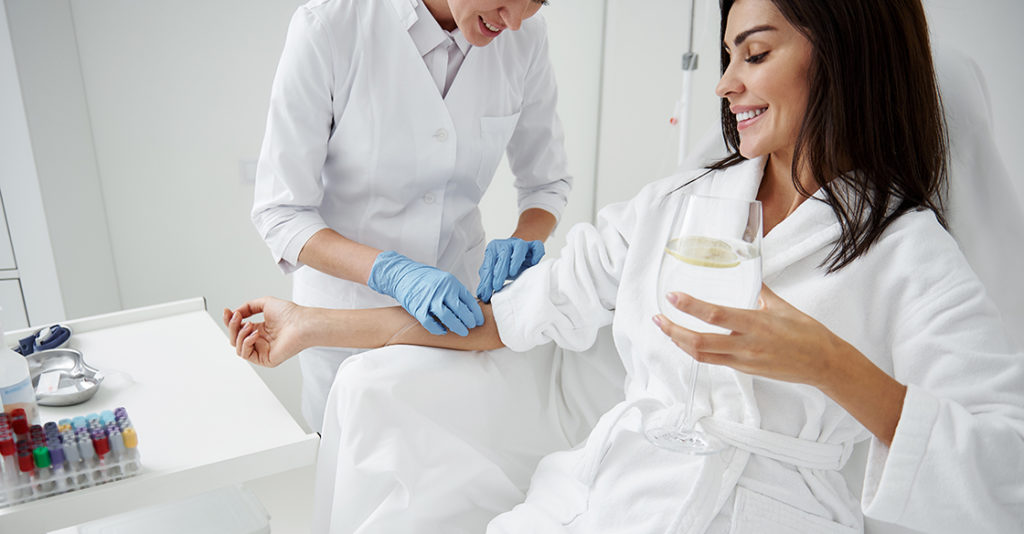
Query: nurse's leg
430	440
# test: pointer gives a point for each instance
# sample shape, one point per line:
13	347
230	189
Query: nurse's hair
874	119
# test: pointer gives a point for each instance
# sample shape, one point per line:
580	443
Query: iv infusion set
681	115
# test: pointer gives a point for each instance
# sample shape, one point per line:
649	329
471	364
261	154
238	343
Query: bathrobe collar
810	227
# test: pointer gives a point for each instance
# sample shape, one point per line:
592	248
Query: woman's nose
728	84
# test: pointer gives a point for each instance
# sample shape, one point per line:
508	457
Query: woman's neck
779	197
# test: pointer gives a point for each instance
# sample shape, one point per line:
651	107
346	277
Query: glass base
687	441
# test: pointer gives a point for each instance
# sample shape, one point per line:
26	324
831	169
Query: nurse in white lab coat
387	121
871	329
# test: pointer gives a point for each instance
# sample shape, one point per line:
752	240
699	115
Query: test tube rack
38	461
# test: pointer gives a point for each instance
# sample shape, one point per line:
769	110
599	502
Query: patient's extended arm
288	328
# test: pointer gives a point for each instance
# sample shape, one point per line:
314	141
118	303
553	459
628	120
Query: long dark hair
874	117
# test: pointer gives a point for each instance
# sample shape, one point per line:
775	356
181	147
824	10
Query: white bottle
16	383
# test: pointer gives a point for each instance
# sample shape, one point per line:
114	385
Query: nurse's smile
489	30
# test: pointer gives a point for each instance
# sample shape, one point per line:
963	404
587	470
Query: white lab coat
911	304
360	140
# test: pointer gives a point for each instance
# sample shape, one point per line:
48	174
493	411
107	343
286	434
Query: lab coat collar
426	33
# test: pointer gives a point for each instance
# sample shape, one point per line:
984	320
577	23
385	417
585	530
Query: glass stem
694	369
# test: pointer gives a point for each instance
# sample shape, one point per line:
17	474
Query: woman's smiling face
766	81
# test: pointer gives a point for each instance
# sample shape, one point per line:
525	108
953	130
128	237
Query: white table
203	416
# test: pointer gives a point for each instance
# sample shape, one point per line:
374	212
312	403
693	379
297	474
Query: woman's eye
758	58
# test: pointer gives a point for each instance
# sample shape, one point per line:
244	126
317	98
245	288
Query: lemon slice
703	252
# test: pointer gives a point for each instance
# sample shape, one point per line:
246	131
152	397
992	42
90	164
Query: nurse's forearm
334	254
377	327
535	224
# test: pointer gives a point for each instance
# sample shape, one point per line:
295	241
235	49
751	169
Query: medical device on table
38	461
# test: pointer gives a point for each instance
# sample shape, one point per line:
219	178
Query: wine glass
714	254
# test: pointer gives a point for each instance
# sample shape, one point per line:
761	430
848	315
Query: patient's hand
271	342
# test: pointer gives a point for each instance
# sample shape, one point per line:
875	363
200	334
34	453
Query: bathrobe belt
795	451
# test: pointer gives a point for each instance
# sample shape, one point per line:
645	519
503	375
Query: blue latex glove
435	298
506	259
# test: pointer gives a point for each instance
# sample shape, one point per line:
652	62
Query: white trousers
421	440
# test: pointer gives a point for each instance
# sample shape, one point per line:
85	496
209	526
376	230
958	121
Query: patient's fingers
234	324
246	349
246	329
256	349
252	307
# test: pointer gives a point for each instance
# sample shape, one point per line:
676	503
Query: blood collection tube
100	443
63	424
36	435
79	422
41	455
57	464
10	464
26	468
89	460
19	424
5	419
131	454
116	450
71	455
102	446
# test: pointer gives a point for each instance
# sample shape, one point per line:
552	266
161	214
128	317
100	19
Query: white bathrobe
911	304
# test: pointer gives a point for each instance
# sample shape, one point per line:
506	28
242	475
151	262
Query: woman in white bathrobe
871	324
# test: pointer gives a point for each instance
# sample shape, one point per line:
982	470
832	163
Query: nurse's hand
506	259
434	297
272	341
776	341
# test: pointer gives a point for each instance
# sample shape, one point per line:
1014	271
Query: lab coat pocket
495	133
755	513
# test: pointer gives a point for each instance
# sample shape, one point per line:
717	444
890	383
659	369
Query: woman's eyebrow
743	35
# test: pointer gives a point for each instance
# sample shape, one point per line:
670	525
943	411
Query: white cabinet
12	301
12	305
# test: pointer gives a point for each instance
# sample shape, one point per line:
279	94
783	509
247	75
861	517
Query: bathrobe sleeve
956	463
568	299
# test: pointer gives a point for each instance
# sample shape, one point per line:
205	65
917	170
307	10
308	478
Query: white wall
644	45
989	32
62	144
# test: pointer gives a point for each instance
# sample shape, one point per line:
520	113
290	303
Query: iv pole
682	116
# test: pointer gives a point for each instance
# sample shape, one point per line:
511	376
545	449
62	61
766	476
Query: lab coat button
428	198
441	135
